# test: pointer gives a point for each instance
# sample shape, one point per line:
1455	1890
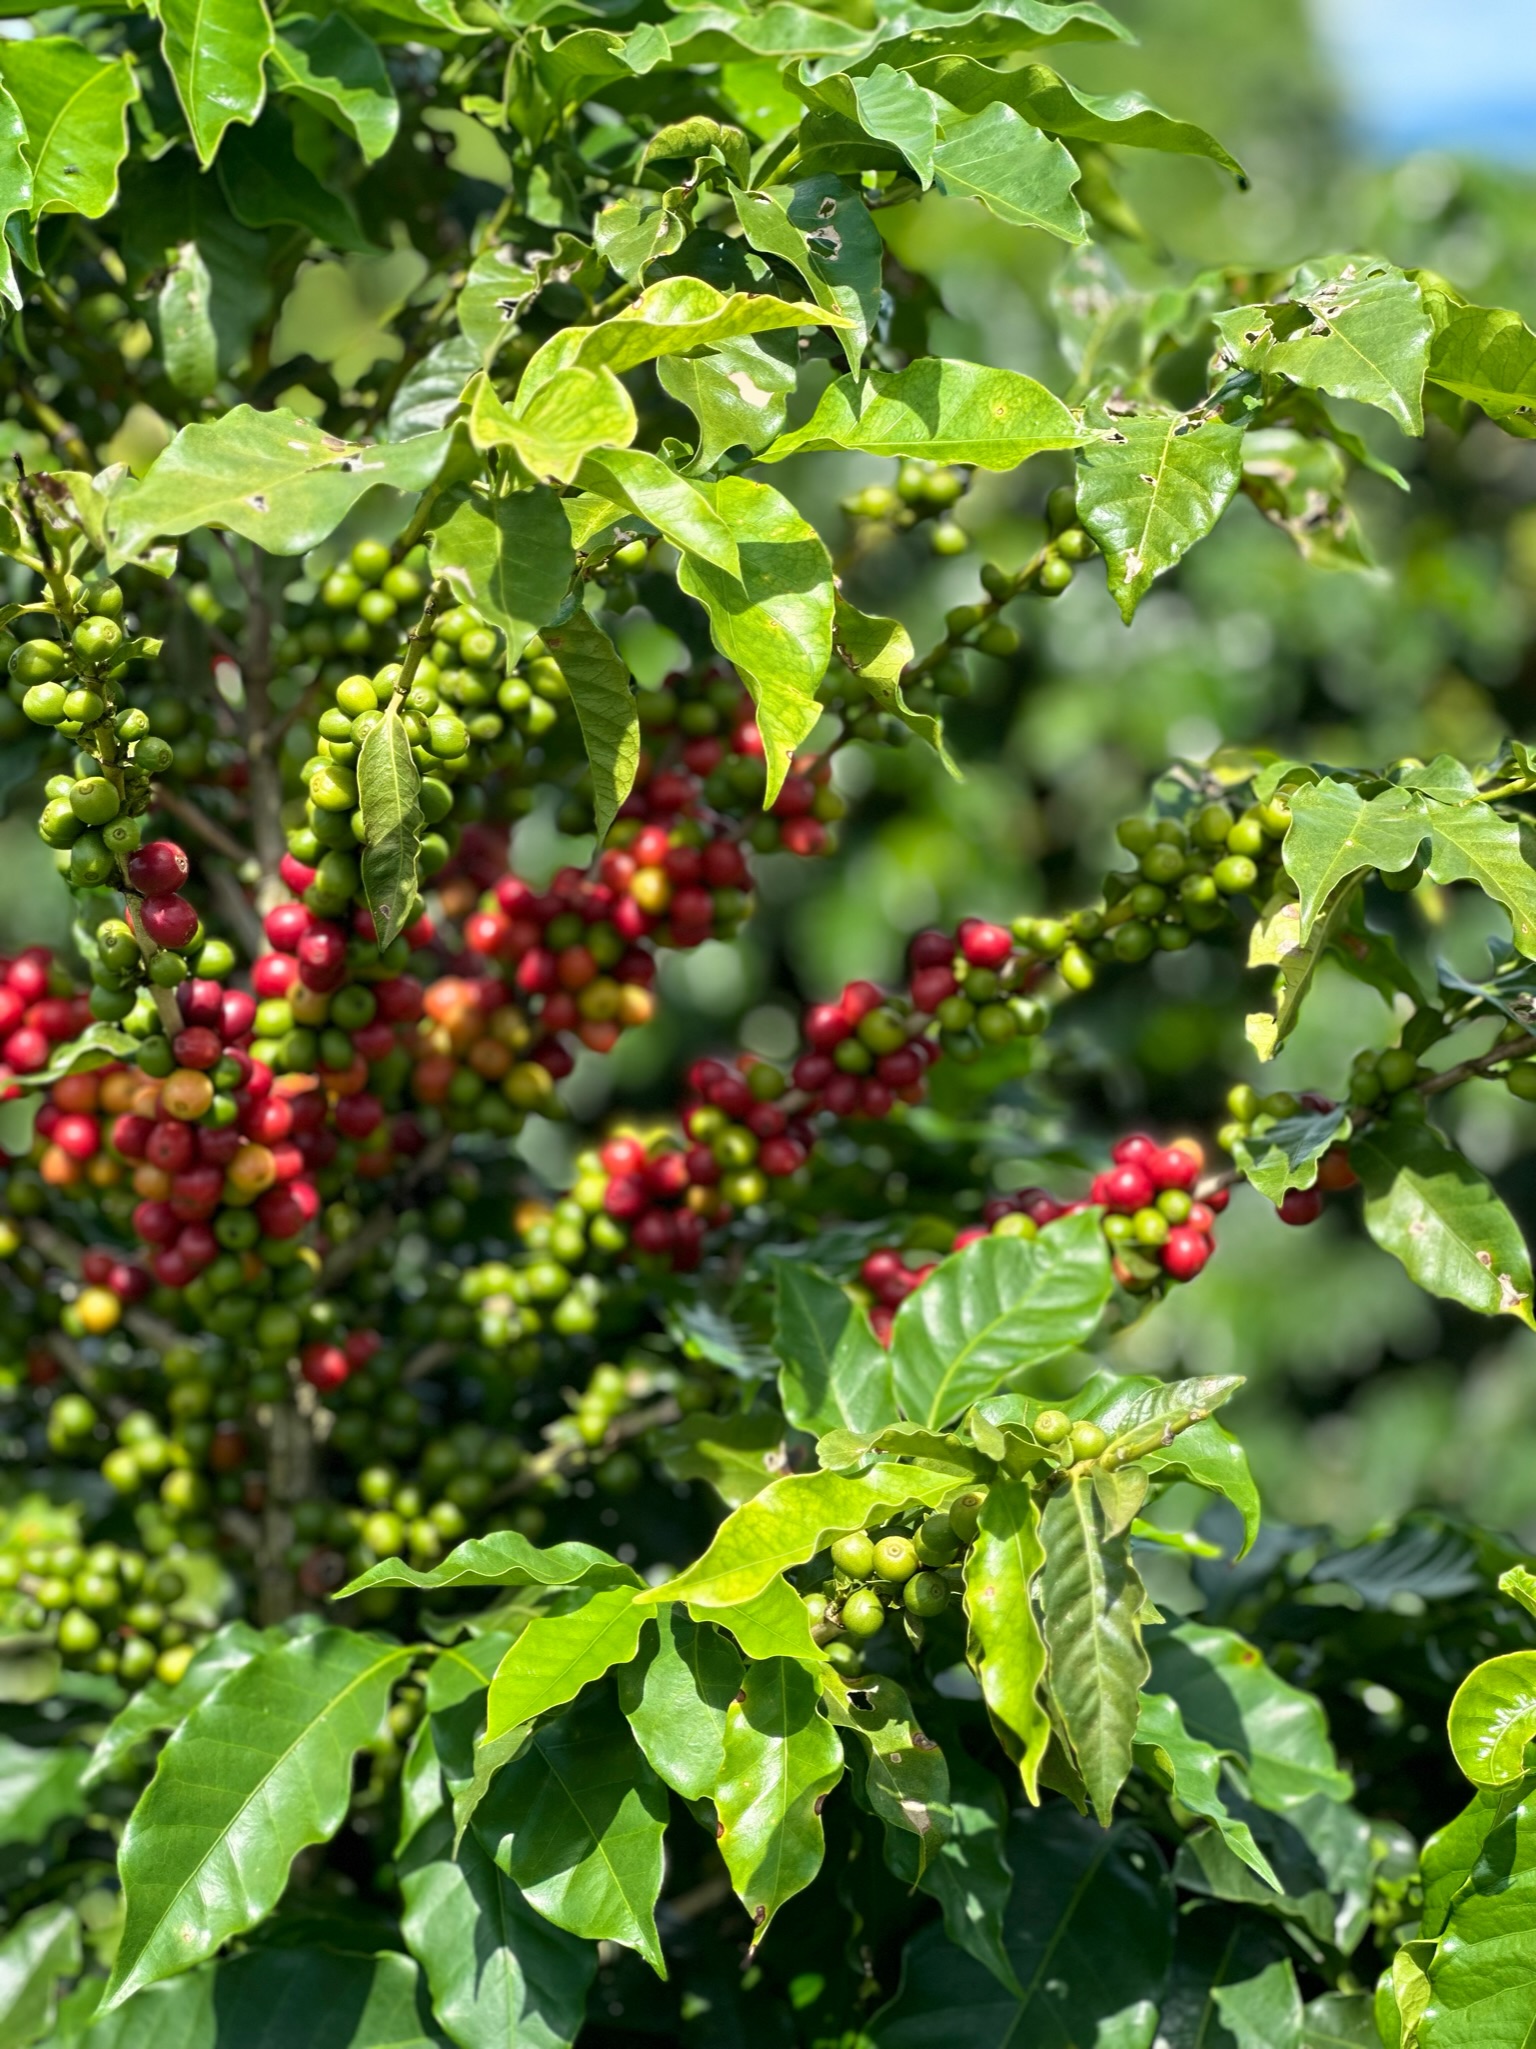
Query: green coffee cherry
854	1555
863	1613
926	1594
895	1558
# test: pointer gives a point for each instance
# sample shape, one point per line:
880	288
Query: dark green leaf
576	1822
267	184
1091	1599
1150	486
511	557
389	797
1430	1208
675	1695
906	1780
1263	2012
259	1769
1321	1852
997	1307
317	1998
1191	1771
599	682
833	1371
15	188
215	51
333	67
969	1875
782	1758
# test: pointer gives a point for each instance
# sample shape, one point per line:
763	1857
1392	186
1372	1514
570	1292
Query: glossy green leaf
1091	1599
1283	1152
576	1822
511	557
332	66
1263	2012
1352	326
939	411
906	1778
177	2015
35	1953
576	411
1006	1646
670	318
1018	173
894	108
821	227
1191	1771
675	1696
1230	1699
833	1371
498	1972
679	509
1337	831
216	53
1471	842
1132	1406
782	1758
1428	1206
770	1624
503	1559
259	1769
1487	355
15	188
1482	1971
737	1453
389	797
157	1707
790	1522
272	477
997	1307
1089	1933
774	622
276	1997
1493	1718
1519	1584
1149	486
38	1788
1450	1855
1045	99
189	347
557	1655
604	701
75	107
994	28
737	392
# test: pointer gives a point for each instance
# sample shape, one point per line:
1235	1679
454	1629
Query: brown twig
197	818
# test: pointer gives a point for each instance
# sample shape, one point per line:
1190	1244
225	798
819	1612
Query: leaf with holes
1150	484
1428	1206
906	1779
782	1758
389	798
576	1823
821	227
1355	327
997	1307
258	1770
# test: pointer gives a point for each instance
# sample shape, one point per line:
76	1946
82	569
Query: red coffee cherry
158	868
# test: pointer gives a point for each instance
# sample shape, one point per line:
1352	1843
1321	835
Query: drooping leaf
1487	355
498	1972
1006	1646
1275	941
502	1559
272	477
675	1696
1149	486
258	1770
511	557
1298	483
1000	1305
790	1522
939	410
1091	1599
1089	1932
604	701
774	622
1493	1718
157	1706
678	509
1428	1206
821	227
38	1788
576	1822
770	1624
1285	1152
1021	175
575	411
1191	1771
36	1952
737	392
833	1371
15	188
1230	1699
782	1758
189	348
1045	99
332	66
1352	326
672	317
389	797
216	53
906	1779
877	651
75	107
557	1655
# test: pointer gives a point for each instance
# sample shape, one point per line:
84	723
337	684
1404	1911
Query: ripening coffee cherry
1088	1440
44	703
863	1613
895	1558
854	1555
1301	1206
935	1541
96	639
159	868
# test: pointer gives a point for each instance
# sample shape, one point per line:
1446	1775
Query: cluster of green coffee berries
106	1608
904	1569
426	1512
923	491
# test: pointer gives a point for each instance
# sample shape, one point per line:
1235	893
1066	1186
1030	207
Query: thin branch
193	815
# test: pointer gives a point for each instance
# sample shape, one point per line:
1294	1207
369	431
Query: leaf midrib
86	85
600	1845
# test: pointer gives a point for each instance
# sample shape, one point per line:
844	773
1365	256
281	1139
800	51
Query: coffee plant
477	1572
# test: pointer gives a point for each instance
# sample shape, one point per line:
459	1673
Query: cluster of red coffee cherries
38	1011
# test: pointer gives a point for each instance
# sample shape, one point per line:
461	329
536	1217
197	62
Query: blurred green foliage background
1365	1397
